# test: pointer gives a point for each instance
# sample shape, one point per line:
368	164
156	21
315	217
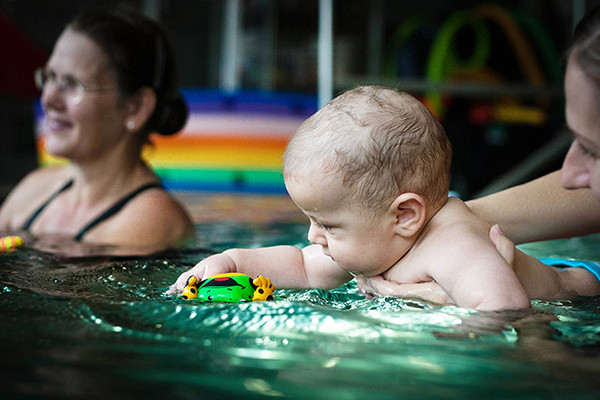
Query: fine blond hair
380	142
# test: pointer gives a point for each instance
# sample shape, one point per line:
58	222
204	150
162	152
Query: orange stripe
229	140
241	151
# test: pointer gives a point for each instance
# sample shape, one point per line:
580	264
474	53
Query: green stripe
220	175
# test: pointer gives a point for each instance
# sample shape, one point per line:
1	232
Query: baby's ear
409	210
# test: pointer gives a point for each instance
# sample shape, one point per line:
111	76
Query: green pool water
101	327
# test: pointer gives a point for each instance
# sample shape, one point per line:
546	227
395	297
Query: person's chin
56	147
596	191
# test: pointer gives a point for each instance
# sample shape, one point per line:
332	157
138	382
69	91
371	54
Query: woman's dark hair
140	56
586	44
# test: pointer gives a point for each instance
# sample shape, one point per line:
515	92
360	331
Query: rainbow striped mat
231	142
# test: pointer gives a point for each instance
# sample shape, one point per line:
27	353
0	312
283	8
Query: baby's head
379	142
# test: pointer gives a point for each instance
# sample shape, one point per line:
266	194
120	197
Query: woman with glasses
108	84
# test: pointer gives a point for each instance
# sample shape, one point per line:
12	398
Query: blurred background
252	70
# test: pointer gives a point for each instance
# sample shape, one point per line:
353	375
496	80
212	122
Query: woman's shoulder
150	218
31	192
49	177
38	183
160	203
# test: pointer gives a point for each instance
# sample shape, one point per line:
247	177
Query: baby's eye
321	226
585	151
328	228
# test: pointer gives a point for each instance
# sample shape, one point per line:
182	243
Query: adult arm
540	210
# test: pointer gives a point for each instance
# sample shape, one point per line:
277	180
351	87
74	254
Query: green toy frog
230	287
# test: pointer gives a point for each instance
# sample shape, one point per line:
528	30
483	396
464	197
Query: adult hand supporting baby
503	244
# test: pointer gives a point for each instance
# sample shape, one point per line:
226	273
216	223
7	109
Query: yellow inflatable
10	243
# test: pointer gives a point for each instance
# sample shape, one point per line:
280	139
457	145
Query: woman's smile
58	124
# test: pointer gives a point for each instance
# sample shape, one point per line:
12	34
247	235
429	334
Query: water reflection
84	325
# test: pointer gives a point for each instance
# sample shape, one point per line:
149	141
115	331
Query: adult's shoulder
29	193
46	177
153	218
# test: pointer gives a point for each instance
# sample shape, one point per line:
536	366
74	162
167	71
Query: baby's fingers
179	284
383	287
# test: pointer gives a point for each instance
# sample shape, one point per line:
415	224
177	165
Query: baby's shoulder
456	232
456	219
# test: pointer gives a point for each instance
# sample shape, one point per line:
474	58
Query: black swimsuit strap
115	208
43	206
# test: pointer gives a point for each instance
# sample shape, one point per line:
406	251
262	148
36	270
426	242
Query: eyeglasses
72	89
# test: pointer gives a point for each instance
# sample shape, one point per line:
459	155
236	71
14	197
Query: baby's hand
181	282
364	287
213	265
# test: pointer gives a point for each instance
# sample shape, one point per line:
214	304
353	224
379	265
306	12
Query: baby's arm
286	266
484	280
428	291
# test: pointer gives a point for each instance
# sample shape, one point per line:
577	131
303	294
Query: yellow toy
10	243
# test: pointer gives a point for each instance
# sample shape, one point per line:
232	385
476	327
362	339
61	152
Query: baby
371	171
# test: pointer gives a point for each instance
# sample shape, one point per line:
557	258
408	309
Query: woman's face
581	167
81	125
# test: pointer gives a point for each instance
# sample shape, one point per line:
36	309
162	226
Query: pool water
101	327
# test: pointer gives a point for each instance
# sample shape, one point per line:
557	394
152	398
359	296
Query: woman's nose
316	236
51	96
575	172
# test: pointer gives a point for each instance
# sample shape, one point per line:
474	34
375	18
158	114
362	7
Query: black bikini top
115	208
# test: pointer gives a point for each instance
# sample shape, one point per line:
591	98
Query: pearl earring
130	125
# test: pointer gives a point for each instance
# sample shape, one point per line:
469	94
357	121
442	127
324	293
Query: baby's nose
575	172
315	236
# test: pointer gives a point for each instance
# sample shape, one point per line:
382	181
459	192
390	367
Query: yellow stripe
209	157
